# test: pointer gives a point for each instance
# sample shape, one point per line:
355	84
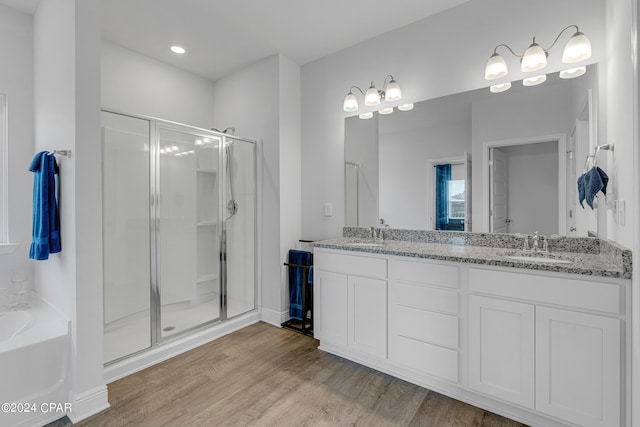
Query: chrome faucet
535	246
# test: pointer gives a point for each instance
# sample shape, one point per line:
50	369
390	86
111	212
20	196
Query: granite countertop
591	264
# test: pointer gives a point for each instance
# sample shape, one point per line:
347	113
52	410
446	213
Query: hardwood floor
266	376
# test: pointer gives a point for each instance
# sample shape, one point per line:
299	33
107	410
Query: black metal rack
304	326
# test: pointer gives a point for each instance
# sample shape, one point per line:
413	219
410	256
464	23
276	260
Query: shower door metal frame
155	124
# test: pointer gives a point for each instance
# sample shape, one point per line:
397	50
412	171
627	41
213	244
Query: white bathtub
33	365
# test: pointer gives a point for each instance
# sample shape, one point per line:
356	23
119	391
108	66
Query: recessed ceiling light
177	49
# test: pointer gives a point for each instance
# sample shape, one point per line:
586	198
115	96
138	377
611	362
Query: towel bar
65	153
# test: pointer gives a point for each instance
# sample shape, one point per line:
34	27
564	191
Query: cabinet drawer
425	272
605	297
426	358
350	264
425	297
426	326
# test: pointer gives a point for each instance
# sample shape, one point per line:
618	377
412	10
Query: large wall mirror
477	161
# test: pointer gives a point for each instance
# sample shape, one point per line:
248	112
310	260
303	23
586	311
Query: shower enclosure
179	215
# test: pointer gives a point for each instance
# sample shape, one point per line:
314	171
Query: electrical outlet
328	209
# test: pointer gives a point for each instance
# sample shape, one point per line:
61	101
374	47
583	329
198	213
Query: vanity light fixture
373	97
405	107
387	110
577	49
366	115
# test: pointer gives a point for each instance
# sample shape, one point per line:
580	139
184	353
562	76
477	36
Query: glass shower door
239	207
126	235
187	218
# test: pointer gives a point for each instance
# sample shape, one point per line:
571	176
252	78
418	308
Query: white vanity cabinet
564	361
350	302
544	348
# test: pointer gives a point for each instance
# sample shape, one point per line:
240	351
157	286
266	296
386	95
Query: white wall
16	80
248	100
136	84
619	123
437	56
290	168
67	116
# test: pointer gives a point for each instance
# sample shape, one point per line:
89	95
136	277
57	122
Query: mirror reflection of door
450	205
498	191
351	195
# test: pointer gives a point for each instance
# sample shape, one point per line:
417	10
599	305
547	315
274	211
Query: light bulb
573	72
393	92
532	81
372	97
534	58
500	87
350	103
577	49
496	67
387	110
366	115
405	107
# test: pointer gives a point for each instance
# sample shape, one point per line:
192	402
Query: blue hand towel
594	181
46	219
296	277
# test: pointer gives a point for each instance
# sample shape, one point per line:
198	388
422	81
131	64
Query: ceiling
224	36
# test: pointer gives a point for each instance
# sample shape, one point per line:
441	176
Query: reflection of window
456	199
4	165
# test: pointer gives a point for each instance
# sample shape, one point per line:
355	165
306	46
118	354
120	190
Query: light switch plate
328	209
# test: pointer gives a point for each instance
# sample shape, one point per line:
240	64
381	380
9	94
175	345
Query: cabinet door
368	316
330	307
501	349
578	367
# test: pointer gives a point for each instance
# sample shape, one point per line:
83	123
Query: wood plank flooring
266	376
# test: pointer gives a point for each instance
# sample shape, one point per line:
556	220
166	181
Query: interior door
498	191
467	192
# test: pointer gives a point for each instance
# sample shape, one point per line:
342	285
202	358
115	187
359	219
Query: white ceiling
222	36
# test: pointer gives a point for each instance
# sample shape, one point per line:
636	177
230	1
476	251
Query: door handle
572	229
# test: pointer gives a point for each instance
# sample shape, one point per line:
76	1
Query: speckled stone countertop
592	257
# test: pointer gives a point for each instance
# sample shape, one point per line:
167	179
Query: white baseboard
171	349
273	317
89	403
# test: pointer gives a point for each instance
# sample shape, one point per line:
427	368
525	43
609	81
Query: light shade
578	49
534	58
366	115
573	72
350	103
387	110
500	87
372	97
393	92
496	67
405	107
532	81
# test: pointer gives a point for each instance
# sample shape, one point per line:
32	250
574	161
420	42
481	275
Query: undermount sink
539	259
364	245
